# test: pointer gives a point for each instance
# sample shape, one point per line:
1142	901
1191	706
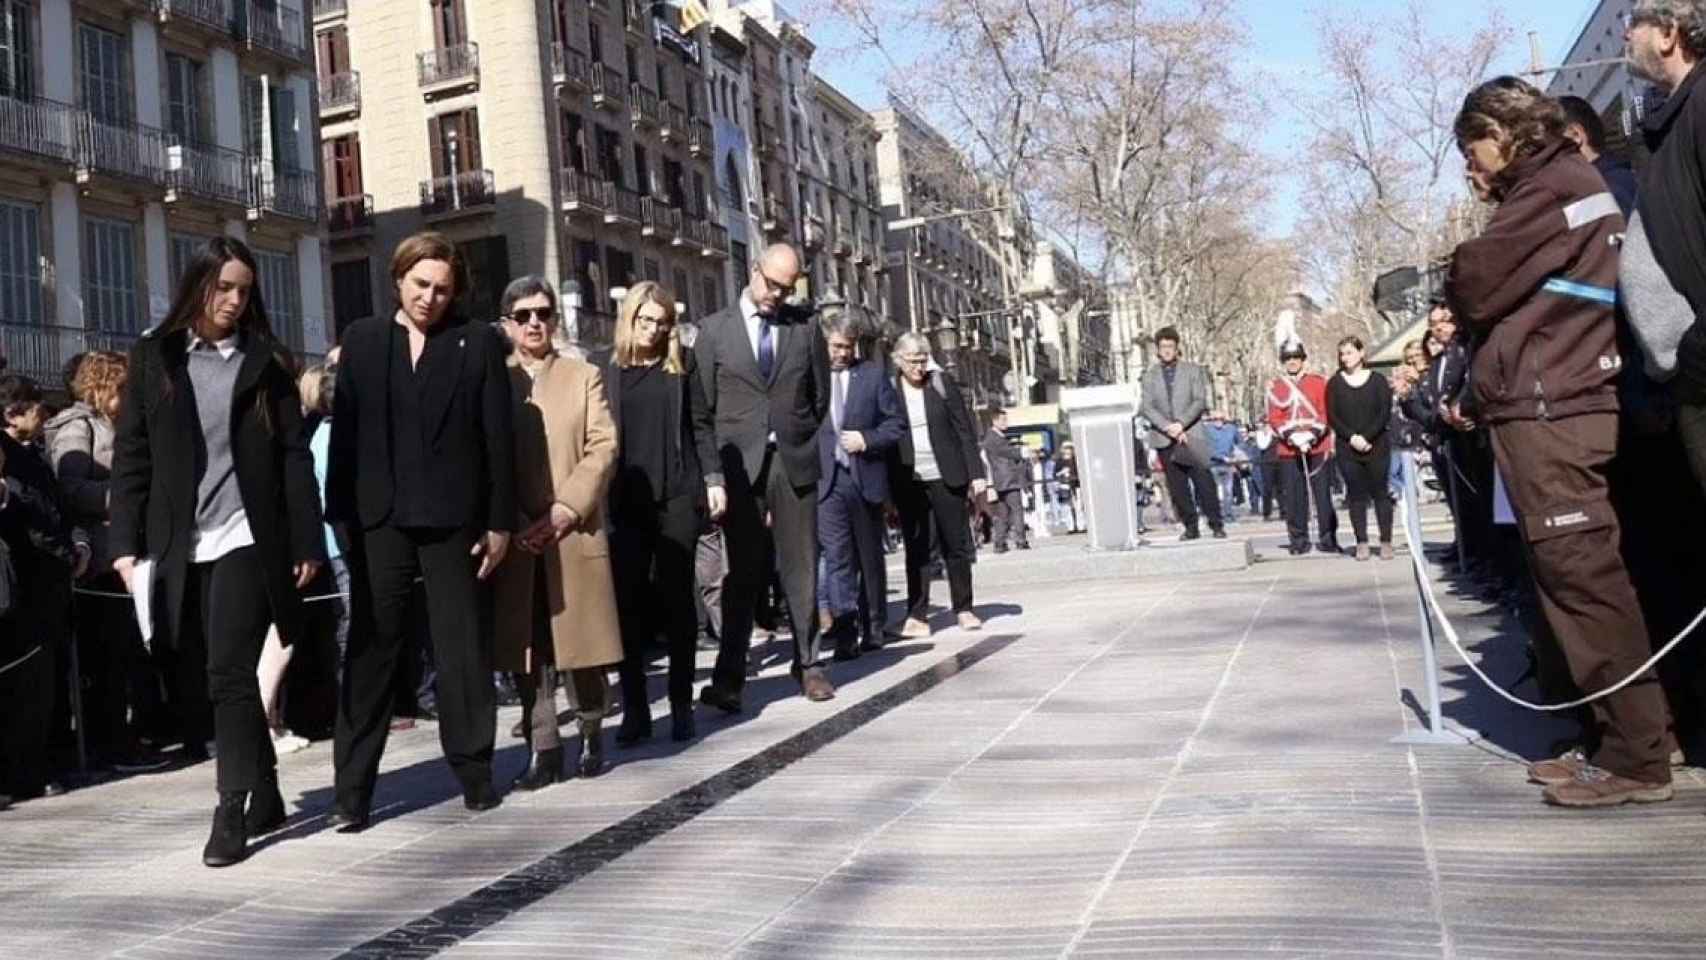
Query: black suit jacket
872	409
465	400
745	408
953	439
159	453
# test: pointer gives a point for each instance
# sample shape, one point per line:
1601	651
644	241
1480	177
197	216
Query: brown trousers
1555	473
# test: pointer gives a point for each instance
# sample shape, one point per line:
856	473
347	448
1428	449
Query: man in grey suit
1008	474
1175	402
763	366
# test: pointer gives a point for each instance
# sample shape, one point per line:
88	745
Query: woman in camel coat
556	600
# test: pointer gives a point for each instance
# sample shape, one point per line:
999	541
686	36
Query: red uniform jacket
1300	406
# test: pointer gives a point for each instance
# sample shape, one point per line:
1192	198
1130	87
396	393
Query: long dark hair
201	274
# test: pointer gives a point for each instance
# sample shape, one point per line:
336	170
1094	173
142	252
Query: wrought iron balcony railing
570	67
206	171
448	65
278	29
444	196
282	190
347	216
340	93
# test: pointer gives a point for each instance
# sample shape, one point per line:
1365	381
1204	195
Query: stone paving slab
1170	766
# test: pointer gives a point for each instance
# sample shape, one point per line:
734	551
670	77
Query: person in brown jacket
555	596
1538	287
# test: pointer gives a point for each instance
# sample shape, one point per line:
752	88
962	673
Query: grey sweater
1658	314
214	378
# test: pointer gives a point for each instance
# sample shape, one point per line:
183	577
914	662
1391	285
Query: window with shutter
281	295
17	67
104	74
180	254
111	302
574	141
449	25
183	97
352	292
333	49
284	129
20	264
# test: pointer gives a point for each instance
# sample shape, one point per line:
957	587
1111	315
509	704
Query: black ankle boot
266	807
636	727
681	725
543	769
592	743
229	842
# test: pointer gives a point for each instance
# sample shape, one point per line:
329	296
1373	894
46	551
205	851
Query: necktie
766	349
838	410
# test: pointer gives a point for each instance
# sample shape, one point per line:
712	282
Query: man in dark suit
862	426
422	473
1175	402
933	470
763	366
1009	472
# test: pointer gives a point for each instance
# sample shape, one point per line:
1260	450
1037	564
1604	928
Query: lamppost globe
947	337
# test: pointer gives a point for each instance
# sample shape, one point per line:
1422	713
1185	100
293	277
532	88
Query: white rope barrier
110	595
21	660
1450	631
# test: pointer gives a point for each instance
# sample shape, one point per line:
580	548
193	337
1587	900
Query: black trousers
1182	475
1471	464
850	531
226	616
927	505
1268	471
652	553
30	689
754	551
1365	480
1009	512
382	572
109	649
1297	493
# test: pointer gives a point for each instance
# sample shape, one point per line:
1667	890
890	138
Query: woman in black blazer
422	475
213	482
657	502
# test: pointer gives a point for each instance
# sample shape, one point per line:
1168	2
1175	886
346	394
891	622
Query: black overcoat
159	455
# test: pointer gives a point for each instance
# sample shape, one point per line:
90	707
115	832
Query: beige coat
565	452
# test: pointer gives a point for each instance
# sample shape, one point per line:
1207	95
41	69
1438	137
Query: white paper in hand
142	594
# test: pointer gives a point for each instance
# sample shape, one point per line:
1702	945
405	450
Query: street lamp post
450	141
946	338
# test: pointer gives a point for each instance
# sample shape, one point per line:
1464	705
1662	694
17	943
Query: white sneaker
288	743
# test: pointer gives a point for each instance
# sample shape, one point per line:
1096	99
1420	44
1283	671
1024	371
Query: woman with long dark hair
1539	287
657	502
212	481
1359	407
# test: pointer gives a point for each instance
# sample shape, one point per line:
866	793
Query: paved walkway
1195	768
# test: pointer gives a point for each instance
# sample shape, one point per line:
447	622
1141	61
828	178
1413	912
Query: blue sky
1284	45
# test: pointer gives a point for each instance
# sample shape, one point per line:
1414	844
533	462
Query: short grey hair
845	320
521	288
1687	16
912	342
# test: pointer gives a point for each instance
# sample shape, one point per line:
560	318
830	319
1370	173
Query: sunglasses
527	315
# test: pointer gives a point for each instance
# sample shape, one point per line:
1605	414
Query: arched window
732	193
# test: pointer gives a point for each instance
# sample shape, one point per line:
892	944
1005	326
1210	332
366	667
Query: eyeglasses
655	323
912	361
527	315
771	285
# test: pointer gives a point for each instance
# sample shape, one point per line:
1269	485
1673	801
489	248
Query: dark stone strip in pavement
454	923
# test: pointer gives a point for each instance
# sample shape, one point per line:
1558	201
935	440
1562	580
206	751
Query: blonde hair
100	381
315	389
627	352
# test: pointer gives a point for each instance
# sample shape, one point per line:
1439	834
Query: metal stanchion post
1436	732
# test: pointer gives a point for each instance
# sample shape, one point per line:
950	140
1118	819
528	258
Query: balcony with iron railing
278	30
122	148
42	129
473	191
205	171
218	16
446	68
282	190
330	8
635	17
584	192
340	94
672	123
777	217
643	106
659	220
700	139
349	217
40	351
624	206
716	241
570	67
606	88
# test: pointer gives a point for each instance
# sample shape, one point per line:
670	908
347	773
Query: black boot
545	768
592	743
1330	545
636	726
682	727
266	807
229	842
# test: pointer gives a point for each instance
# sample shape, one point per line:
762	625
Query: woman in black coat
213	482
657	502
